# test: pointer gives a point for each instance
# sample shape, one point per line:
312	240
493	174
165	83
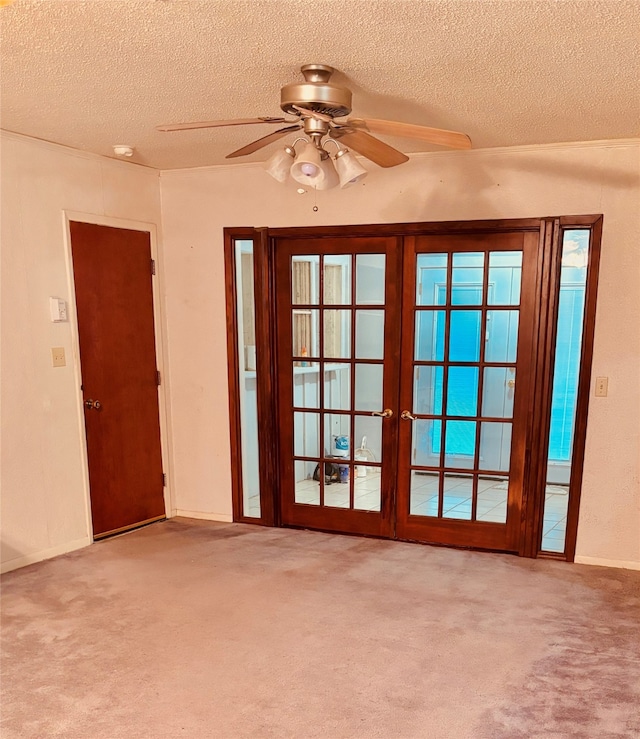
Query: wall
44	496
599	177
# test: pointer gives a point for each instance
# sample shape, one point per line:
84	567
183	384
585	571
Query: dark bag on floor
331	473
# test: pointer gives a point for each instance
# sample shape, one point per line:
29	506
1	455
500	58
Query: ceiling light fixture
313	165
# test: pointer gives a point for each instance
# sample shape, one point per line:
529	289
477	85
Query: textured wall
515	183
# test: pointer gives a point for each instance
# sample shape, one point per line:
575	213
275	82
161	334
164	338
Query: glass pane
337	386
492	499
423	499
466	280
245	312
495	446
337	333
306	434
430	325
462	391
505	276
458	492
370	278
305	324
306	390
431	279
370	334
464	337
306	480
337	279
426	442
502	336
498	391
564	397
554	524
427	390
368	396
304	279
367	488
368	438
337	428
460	443
337	491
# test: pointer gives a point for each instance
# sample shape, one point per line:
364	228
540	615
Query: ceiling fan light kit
315	105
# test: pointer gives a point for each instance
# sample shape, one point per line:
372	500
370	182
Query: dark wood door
338	319
112	273
466	381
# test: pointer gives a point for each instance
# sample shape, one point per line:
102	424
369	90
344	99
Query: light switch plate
57	356
58	309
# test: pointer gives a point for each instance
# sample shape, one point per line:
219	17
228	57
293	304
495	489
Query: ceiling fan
320	110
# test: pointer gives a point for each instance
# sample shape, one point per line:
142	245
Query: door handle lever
386	413
408	416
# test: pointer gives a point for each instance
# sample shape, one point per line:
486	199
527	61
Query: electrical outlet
602	387
57	356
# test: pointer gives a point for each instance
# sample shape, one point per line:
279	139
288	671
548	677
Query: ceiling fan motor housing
316	94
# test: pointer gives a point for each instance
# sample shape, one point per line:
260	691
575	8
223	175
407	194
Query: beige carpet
195	629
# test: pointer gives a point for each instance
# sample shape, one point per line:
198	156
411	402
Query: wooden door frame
549	230
160	344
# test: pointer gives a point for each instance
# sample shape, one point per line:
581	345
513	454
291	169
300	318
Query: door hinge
158	377
153	266
164	480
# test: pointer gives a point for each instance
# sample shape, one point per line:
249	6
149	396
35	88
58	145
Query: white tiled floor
492	501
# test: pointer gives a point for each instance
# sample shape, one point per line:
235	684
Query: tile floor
492	501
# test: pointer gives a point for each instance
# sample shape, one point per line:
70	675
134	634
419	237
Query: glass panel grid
454	355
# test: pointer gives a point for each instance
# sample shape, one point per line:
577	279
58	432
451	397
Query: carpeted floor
197	629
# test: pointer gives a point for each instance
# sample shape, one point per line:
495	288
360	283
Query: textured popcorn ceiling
93	73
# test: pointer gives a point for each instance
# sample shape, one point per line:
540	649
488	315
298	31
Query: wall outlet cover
57	356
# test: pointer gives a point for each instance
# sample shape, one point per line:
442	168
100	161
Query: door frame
549	231
160	344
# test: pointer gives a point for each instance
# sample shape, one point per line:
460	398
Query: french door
465	386
338	360
398	409
405	380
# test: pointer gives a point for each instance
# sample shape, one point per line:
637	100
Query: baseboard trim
222	517
621	564
30	559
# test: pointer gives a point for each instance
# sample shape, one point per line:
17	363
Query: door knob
386	413
95	404
408	416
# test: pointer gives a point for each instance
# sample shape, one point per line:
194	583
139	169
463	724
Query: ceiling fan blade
369	146
452	139
217	124
259	143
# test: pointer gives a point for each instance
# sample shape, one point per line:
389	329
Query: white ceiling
93	73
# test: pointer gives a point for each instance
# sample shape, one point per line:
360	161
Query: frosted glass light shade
349	169
330	175
279	164
307	168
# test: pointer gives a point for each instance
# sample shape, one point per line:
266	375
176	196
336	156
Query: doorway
112	269
398	410
404	378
